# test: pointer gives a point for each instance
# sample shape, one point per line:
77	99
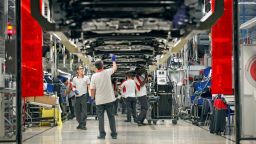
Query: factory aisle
128	133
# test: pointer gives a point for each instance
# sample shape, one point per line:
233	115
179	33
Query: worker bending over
141	79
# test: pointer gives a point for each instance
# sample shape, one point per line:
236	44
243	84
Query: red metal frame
32	70
222	45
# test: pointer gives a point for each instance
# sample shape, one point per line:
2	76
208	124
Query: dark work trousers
115	105
71	107
123	102
81	110
149	112
111	117
143	108
131	108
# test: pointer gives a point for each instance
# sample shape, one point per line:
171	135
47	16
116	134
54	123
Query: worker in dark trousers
123	98
141	79
103	93
150	107
131	100
116	95
80	87
71	97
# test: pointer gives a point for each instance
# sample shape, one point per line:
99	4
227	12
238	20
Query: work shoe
114	137
78	127
141	124
70	117
83	128
101	137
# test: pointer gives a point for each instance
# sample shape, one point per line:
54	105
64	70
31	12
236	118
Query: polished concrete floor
128	133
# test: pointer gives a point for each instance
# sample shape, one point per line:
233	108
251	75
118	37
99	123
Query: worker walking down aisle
141	79
102	92
81	85
130	86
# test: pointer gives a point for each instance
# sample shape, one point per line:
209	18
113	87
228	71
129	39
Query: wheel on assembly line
182	116
9	135
200	123
174	121
195	123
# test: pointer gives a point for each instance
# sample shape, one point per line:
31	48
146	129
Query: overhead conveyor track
123	21
207	22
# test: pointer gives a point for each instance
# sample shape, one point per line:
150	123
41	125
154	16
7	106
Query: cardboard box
30	99
51	100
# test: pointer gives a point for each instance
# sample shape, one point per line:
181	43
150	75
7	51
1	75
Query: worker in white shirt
141	79
103	93
130	95
81	85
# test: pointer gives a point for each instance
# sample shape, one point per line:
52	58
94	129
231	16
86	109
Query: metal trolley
38	114
155	111
7	113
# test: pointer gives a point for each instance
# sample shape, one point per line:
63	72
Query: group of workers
100	89
133	89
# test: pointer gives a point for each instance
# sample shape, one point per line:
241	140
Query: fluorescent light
248	24
206	16
246	3
57	36
177	43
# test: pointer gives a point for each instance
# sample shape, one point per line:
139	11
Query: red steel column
32	70
222	41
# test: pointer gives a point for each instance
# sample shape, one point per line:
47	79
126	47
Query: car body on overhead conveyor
135	30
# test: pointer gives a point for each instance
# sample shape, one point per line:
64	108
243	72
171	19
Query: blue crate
50	88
